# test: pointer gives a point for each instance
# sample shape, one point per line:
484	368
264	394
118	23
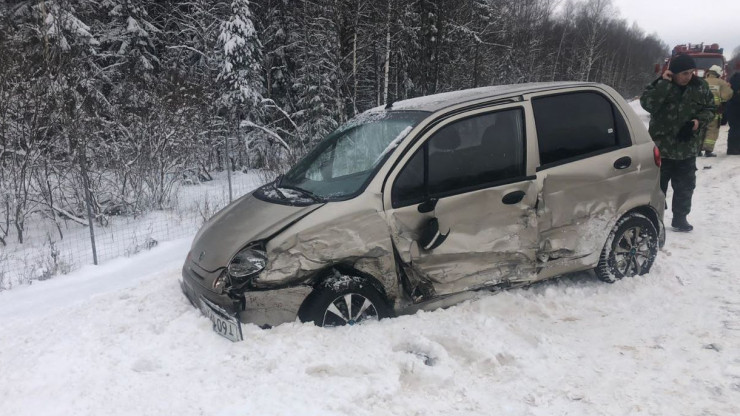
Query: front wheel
344	300
630	249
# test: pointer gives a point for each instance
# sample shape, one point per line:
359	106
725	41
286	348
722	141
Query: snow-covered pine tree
407	45
129	36
318	74
280	36
190	61
242	84
46	51
276	21
241	70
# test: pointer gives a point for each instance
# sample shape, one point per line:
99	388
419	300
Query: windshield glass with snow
344	161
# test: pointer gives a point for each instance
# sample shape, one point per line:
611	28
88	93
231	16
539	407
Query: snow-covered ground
120	339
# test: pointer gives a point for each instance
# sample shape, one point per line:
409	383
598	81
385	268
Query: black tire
344	300
630	249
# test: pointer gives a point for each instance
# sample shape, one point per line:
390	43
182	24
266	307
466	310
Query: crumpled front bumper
265	308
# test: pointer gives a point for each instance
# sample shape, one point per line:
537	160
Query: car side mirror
431	238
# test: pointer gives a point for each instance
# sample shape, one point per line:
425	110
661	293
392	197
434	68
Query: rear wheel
630	249
344	300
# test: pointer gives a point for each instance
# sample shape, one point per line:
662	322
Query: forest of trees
128	97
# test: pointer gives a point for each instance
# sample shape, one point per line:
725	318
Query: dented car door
585	156
461	206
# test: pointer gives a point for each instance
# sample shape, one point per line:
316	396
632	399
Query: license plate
224	324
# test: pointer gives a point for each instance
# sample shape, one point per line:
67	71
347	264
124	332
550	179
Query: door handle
428	205
513	197
623	162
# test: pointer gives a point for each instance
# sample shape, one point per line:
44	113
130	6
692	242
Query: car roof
443	100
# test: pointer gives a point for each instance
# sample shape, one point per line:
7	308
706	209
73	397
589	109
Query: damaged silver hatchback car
420	204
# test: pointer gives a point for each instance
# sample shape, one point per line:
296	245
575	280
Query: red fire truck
704	55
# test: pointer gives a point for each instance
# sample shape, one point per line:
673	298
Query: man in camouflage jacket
680	106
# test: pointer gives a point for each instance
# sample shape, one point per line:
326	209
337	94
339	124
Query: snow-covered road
120	339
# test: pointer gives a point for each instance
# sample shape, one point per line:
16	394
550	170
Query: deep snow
121	339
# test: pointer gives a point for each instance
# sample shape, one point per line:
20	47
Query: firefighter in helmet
722	92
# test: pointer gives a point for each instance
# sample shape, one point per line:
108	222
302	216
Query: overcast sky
683	21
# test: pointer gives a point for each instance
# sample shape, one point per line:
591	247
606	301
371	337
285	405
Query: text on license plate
223	323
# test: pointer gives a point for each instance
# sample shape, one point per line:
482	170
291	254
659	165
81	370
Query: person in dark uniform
732	114
681	105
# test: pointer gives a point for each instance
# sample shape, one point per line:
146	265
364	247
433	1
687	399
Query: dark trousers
732	113
682	175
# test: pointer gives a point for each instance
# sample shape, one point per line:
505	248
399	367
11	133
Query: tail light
656	156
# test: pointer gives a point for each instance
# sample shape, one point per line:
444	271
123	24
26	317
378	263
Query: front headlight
220	283
248	261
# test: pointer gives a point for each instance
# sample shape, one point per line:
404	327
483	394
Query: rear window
574	125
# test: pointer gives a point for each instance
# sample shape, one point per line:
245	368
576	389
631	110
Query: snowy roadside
44	255
120	339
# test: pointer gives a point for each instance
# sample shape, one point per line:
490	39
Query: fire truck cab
704	55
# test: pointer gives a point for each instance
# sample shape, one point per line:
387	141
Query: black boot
680	224
707	153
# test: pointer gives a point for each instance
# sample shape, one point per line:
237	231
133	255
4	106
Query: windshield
345	160
706	62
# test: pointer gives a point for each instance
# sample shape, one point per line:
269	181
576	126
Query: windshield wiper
276	185
309	194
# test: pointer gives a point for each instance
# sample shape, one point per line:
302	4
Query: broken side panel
579	204
488	242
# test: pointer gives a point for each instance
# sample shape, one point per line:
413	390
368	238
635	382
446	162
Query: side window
476	151
623	132
464	155
571	125
409	186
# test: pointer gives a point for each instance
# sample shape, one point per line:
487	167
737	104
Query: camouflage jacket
670	107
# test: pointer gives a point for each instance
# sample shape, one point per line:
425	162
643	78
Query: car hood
243	221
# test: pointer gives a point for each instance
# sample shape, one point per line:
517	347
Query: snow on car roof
447	99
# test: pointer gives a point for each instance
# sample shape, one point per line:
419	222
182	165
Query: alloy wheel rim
349	309
632	252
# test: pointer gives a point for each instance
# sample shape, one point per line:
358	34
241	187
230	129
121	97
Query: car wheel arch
325	276
607	268
652	214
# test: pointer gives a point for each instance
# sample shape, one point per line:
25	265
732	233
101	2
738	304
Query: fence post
88	199
228	161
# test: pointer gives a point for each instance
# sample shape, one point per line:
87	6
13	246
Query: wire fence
49	250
